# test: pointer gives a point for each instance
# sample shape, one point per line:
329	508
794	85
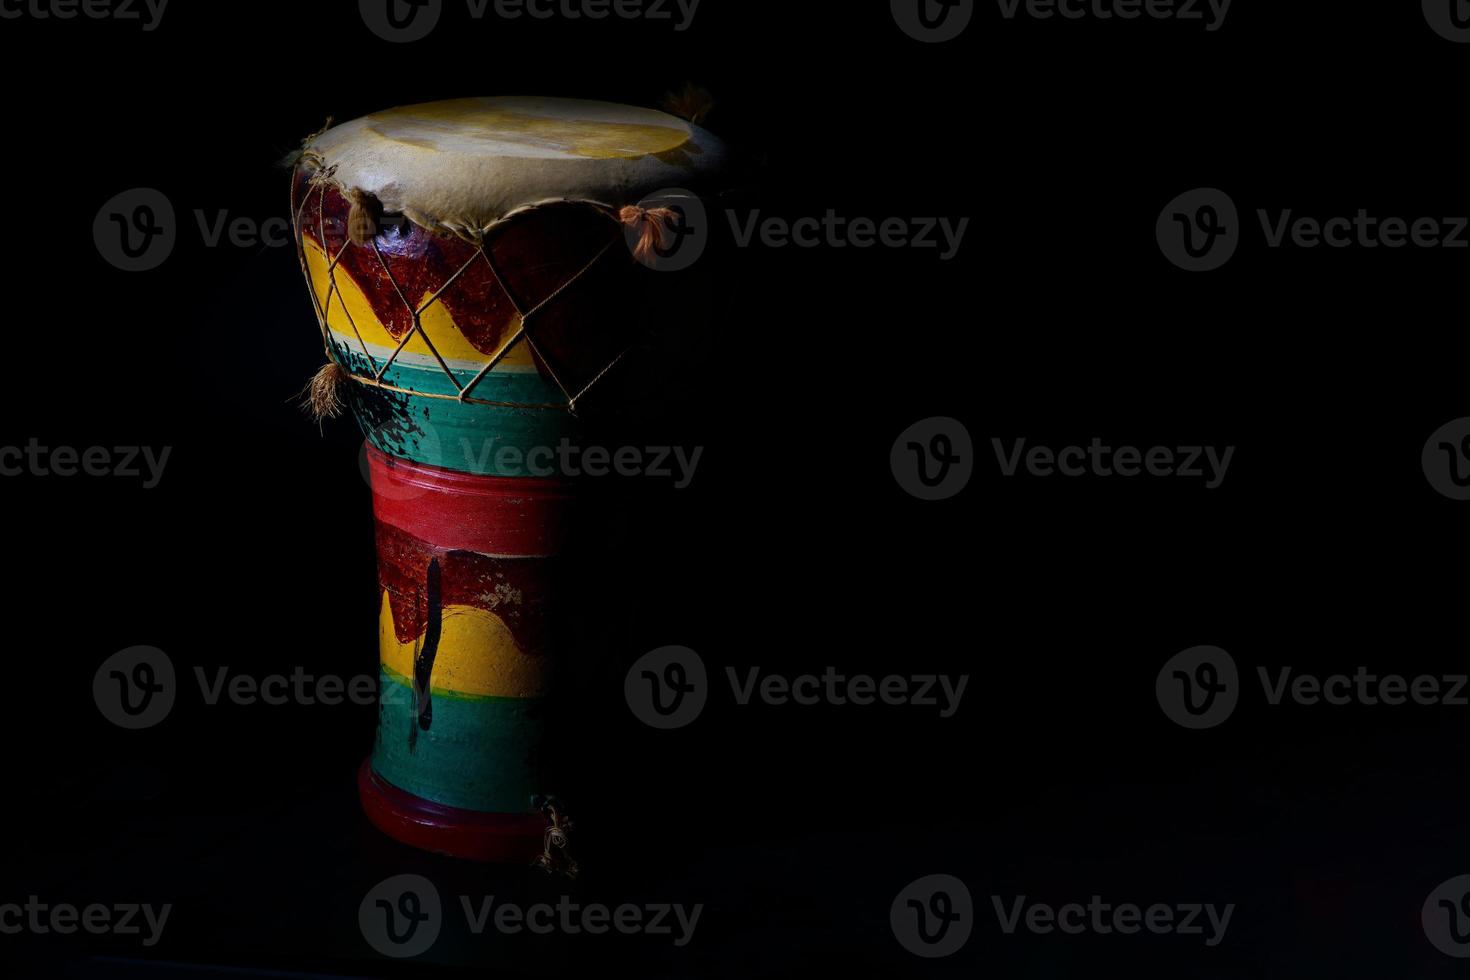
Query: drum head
464	163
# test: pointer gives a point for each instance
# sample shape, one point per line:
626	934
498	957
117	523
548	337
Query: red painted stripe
492	515
502	838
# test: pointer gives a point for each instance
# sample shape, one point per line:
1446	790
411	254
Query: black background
795	548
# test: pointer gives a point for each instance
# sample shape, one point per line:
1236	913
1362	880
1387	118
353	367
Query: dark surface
794	549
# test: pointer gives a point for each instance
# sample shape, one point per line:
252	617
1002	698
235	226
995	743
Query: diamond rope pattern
524	333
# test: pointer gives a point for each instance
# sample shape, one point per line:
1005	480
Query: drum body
472	275
465	414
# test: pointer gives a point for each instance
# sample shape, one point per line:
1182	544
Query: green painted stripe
486	440
479	753
518	387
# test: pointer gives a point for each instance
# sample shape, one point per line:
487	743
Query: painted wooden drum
474	269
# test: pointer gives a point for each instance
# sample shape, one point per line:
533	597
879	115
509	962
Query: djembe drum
473	266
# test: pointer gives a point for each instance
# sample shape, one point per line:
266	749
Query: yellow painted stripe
477	655
438	324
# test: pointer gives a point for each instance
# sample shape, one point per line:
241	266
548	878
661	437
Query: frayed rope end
692	102
322	397
290	160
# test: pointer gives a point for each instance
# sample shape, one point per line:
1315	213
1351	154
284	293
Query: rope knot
323	175
651	224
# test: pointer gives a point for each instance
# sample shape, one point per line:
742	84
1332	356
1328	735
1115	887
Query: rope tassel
650	225
323	397
556	854
362	219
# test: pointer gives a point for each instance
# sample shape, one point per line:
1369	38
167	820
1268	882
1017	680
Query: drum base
500	838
